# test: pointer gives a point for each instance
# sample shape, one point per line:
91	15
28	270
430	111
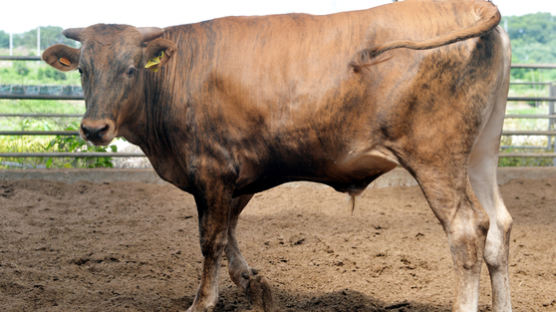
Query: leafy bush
524	161
51	73
76	144
41	144
21	69
4	39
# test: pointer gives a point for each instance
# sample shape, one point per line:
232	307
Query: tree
27	39
53	34
533	37
49	35
4	39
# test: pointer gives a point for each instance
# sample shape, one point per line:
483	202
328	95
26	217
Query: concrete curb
395	178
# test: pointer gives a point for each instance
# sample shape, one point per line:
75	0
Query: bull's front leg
213	206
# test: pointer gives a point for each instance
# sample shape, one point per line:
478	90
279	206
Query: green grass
523	161
20	144
529	91
60	143
525	124
35	73
38	106
41	106
38	144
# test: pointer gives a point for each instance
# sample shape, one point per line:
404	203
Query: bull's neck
162	129
164	104
155	110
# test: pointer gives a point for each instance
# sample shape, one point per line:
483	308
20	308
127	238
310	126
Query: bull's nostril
94	132
85	130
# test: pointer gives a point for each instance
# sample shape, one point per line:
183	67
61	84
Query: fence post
551	121
39	41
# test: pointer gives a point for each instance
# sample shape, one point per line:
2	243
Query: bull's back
290	66
269	62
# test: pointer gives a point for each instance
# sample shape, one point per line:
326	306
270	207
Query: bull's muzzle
99	132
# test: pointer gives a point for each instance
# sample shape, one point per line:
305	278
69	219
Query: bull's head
111	61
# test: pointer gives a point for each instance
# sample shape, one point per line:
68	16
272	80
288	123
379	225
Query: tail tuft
352	201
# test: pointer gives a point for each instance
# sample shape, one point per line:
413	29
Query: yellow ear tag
154	61
64	61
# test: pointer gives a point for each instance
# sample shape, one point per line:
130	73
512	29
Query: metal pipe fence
19	58
74	93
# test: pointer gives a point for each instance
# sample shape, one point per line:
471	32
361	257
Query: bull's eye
131	71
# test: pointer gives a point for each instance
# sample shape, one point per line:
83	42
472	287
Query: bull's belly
356	171
349	174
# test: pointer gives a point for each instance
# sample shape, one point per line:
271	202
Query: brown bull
235	106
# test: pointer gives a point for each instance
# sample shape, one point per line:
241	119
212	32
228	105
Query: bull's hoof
199	308
259	294
209	309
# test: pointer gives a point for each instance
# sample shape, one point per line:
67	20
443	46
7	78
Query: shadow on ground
338	301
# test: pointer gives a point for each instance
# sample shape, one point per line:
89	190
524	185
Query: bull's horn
150	33
73	33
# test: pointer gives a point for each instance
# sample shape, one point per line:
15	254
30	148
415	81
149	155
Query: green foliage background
533	39
28	40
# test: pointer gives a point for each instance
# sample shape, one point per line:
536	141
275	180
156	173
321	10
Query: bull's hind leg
256	286
450	195
482	173
237	266
483	178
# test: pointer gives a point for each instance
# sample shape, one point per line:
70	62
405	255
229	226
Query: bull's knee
467	232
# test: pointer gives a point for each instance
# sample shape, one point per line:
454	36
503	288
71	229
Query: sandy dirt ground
134	247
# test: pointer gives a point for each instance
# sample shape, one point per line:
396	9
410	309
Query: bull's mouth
98	132
100	142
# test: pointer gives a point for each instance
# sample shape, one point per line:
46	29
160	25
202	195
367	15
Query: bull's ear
158	52
62	57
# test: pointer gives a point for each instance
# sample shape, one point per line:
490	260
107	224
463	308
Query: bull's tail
487	17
